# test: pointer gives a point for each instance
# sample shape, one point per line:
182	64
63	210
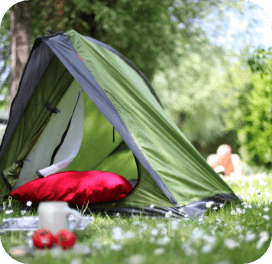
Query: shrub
256	134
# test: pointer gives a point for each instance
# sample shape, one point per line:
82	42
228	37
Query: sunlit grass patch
236	233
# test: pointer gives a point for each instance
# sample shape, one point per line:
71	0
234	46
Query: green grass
184	241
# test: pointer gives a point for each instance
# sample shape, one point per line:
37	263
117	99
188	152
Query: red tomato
43	238
65	239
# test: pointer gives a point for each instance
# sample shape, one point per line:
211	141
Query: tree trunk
20	17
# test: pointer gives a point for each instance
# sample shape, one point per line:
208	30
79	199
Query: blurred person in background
224	160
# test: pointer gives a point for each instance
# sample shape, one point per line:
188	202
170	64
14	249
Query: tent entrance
60	141
101	149
79	137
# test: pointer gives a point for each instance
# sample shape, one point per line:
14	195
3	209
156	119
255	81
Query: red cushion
75	187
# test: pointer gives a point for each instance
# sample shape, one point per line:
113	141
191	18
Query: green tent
82	106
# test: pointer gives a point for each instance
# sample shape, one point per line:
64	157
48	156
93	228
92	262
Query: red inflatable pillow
75	187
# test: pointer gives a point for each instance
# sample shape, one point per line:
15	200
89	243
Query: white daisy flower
207	248
232	212
116	247
266	217
136	259
29	203
266	209
209	239
168	214
117	233
239	228
164	231
264	236
152	206
56	252
144	226
163	241
209	204
174	225
161	225
129	235
250	236
154	232
76	261
23	212
197	234
230	243
188	249
159	251
200	219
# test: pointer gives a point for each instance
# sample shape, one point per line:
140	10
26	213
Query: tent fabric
65	51
37	63
65	152
163	145
34	117
46	144
146	148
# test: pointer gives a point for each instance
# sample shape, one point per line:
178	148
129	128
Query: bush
256	135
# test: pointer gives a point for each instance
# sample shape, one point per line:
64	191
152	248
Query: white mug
53	216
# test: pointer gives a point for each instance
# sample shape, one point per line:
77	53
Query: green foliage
202	95
256	135
5	61
261	61
157	36
143	31
206	94
236	87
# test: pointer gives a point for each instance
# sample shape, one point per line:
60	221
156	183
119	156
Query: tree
20	18
256	134
206	95
5	61
201	94
261	61
143	31
154	35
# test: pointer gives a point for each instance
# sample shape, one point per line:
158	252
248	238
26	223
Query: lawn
234	234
